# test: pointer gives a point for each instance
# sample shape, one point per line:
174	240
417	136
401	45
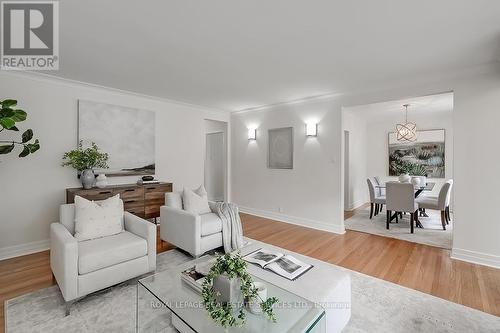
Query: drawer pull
129	190
150	188
105	192
129	201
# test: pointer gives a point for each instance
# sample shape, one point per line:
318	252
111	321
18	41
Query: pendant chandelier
406	132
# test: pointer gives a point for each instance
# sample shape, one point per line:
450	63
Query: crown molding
44	77
449	75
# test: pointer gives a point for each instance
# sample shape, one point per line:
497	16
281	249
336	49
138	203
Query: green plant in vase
9	117
225	312
84	160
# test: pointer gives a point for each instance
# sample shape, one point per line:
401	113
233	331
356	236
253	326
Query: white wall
377	141
311	193
32	188
358	160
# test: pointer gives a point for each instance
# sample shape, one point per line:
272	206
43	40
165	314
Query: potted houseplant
84	160
9	117
227	286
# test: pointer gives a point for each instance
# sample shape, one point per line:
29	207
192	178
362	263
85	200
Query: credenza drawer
125	193
133	202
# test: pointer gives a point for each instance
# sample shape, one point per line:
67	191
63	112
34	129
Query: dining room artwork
126	134
423	157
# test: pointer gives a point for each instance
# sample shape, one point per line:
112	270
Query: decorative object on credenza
101	181
407	131
280	150
147	178
226	287
127	134
424	157
9	116
85	160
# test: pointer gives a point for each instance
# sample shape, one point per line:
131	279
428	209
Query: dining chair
441	202
376	201
401	198
378	182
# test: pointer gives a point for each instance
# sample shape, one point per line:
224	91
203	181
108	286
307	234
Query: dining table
418	190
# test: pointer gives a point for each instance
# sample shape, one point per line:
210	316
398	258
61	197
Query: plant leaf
6	113
25	152
27	135
5	149
33	147
8	103
14	128
7	123
19	115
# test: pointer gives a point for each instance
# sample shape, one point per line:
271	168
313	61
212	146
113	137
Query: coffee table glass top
163	292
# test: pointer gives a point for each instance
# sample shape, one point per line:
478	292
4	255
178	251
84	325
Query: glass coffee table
164	300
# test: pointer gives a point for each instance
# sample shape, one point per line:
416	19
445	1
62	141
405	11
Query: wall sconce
311	129
252	134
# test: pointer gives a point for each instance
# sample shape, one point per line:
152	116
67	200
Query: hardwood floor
421	267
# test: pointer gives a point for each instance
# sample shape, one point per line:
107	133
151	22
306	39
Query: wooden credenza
141	200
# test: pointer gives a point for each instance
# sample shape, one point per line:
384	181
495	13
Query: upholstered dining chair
401	198
376	201
441	202
378	182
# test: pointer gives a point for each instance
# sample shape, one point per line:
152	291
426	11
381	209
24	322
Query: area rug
377	306
432	234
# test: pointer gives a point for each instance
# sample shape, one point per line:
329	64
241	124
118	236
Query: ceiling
431	104
236	54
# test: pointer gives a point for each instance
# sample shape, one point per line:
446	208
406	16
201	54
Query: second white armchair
191	232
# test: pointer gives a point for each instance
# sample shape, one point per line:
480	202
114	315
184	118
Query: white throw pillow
196	201
98	219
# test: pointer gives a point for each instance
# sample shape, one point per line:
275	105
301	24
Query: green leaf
25	152
8	103
19	115
5	149
6	113
7	123
14	128
33	147
27	135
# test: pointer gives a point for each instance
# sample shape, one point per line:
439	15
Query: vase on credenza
404	178
101	181
88	178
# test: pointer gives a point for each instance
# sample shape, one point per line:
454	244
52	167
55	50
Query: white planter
404	178
254	304
101	181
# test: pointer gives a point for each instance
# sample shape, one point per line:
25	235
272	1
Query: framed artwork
126	134
423	157
280	151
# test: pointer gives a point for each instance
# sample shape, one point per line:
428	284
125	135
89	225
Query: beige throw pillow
98	219
196	201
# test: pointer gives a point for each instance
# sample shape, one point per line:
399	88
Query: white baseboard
294	220
357	204
476	257
24	249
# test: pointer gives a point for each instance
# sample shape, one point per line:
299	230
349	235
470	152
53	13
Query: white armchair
193	233
81	268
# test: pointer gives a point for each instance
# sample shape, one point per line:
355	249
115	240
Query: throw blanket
232	232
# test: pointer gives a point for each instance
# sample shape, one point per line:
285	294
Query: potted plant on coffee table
84	160
225	289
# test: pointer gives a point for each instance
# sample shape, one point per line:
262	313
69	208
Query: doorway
215	160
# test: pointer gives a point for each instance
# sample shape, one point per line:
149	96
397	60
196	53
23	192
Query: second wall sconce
312	129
